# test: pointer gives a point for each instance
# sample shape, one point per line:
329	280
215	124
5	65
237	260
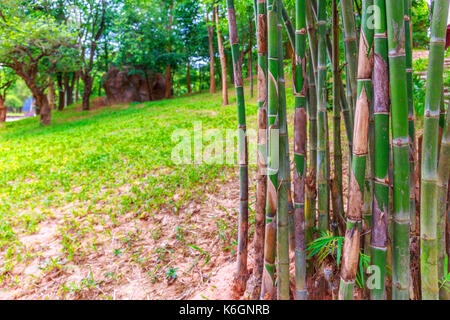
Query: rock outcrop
123	86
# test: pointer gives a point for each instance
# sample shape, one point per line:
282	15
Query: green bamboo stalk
442	114
290	32
429	192
323	181
351	47
261	180
300	136
443	175
379	234
312	38
283	177
241	276
411	117
448	227
310	185
346	111
337	194
400	149
288	25
360	152
322	160
267	286
369	180
344	105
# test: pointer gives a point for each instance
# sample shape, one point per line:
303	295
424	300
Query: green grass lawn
84	159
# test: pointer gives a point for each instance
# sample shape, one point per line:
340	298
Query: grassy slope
83	159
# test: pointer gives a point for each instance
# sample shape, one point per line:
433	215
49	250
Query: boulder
123	86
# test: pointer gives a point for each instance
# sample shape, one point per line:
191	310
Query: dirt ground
100	274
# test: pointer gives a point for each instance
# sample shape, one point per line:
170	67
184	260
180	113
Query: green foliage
364	263
420	23
32	43
17	95
7	82
445	281
171	274
144	36
419	96
326	245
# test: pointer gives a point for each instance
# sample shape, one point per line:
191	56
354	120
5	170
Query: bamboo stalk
322	160
241	275
351	47
312	38
300	123
443	175
310	184
429	213
379	234
261	180
283	176
338	204
346	110
411	117
223	59
360	151
267	286
400	149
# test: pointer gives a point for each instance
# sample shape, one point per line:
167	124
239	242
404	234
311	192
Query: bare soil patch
132	259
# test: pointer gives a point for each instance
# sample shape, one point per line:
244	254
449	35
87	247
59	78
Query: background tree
90	20
7	79
192	34
32	44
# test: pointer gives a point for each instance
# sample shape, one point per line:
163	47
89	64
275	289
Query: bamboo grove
305	220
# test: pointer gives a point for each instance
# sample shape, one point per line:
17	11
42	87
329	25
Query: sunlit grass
89	157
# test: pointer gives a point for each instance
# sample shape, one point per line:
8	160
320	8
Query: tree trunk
87	79
2	110
61	94
51	93
168	80
200	79
223	59
66	89
77	90
188	77
44	107
212	72
168	91
70	89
